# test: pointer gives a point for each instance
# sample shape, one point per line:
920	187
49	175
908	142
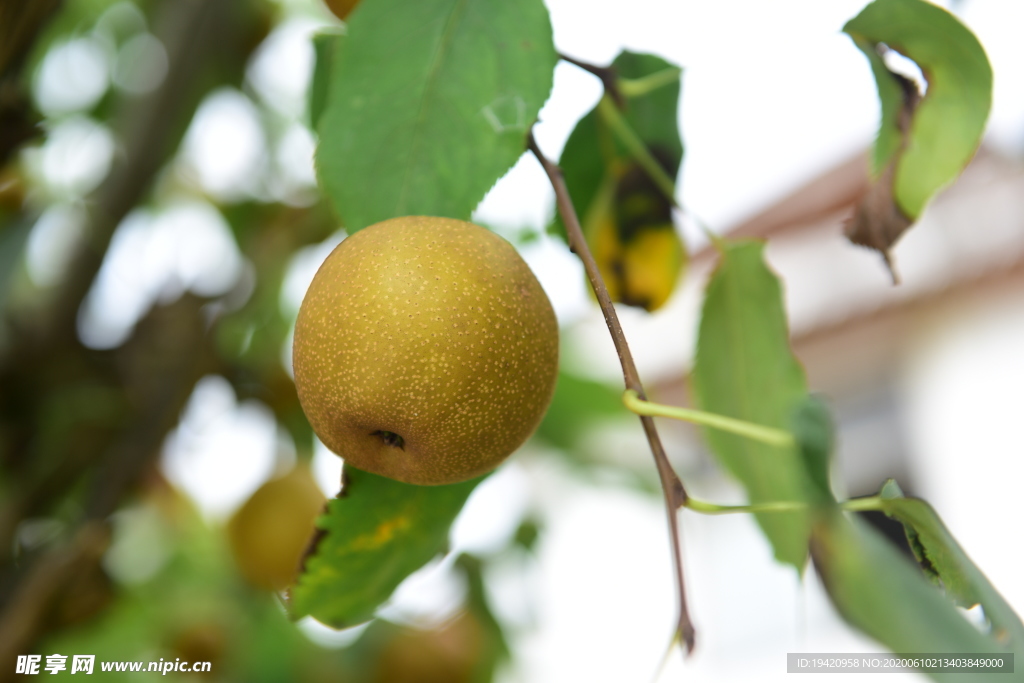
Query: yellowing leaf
376	533
627	216
629	229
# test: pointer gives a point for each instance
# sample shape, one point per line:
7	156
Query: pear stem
675	494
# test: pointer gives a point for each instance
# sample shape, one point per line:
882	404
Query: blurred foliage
192	605
947	565
876	589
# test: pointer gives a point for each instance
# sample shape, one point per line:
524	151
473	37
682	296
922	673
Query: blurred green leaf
575	407
378	532
626	216
494	649
527	534
878	591
946	563
429	105
815	437
251	338
948	123
745	369
13	238
325	45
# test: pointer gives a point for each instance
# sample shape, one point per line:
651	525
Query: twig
608	75
675	493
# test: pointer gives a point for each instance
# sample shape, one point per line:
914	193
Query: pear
425	350
270	532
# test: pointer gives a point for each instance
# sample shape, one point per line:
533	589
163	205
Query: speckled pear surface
425	350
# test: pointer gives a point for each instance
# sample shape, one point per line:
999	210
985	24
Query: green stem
703	507
638	87
611	115
769	435
863	504
775	506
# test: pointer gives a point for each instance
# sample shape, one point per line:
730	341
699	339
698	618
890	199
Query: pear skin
425	350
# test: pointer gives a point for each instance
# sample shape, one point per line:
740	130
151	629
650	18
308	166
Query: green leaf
13	238
745	369
249	339
325	45
429	105
626	213
948	123
377	532
877	590
946	563
815	436
494	649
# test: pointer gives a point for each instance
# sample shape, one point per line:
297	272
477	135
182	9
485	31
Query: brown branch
21	24
26	613
672	486
608	75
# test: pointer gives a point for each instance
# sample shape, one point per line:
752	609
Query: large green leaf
377	532
429	105
946	563
946	126
877	590
745	369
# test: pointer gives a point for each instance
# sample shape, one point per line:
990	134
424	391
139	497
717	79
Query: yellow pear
269	533
425	350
